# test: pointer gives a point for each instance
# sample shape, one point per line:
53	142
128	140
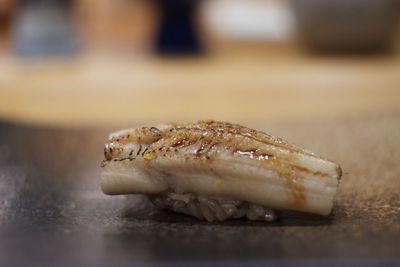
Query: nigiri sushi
217	171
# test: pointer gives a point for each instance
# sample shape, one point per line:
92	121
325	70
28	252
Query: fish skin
219	159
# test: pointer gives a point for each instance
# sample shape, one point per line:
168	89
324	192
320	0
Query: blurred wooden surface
238	84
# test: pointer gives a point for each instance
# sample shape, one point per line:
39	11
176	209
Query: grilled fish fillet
217	170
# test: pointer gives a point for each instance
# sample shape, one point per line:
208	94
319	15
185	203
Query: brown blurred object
120	25
347	25
6	7
6	11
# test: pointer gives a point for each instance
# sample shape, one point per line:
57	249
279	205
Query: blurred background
97	62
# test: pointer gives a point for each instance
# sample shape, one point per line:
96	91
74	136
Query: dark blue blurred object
44	28
177	33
